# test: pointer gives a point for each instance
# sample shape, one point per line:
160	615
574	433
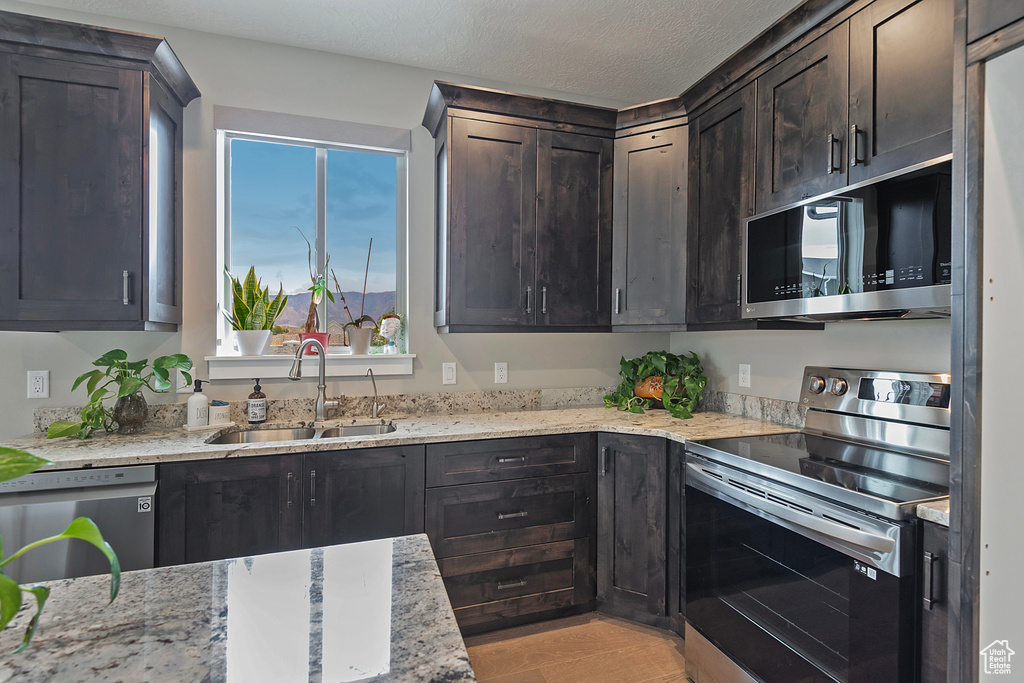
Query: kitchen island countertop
373	611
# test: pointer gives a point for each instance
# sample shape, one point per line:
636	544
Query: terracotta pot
359	339
130	413
322	337
653	388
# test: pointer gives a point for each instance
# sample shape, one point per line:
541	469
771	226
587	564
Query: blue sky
273	190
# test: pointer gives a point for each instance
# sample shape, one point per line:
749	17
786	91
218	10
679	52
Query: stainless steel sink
358	430
264	435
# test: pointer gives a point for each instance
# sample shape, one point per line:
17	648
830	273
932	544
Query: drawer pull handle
512	515
289	486
518	458
514	583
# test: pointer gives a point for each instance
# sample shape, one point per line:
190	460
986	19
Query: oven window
894	235
788	608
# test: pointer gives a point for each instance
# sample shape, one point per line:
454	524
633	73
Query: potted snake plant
253	313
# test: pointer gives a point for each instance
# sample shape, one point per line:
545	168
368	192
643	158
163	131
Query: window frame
226	363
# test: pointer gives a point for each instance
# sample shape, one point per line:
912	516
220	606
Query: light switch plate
744	375
501	373
39	384
447	373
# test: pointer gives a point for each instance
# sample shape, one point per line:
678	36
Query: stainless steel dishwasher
119	499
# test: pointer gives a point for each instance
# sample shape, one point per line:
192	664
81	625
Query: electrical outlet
39	384
745	375
501	373
447	373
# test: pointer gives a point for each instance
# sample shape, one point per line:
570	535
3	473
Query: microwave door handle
849	535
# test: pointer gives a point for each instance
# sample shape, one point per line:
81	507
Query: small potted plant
658	377
312	328
358	336
253	313
129	377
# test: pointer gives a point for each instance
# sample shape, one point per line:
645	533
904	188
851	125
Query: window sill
278	366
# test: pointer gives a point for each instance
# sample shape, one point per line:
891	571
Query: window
295	204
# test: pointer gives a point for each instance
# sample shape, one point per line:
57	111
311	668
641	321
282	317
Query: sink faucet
376	407
322	402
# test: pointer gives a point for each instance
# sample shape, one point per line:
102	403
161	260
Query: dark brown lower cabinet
632	486
934	606
211	510
676	528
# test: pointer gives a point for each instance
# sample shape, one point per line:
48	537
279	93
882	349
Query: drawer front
472	462
490	587
479	518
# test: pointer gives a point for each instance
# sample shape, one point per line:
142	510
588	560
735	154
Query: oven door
784	605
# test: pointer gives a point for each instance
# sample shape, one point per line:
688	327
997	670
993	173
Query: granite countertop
159	445
937	512
373	611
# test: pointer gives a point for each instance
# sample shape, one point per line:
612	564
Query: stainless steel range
801	547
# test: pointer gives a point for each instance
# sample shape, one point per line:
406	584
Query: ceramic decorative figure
390	328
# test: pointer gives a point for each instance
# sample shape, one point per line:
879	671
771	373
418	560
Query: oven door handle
841	532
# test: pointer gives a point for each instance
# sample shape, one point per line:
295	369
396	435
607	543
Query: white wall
1002	467
249	74
777	358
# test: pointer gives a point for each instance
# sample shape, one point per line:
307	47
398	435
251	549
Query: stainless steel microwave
881	251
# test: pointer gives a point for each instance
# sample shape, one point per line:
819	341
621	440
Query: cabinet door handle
855	146
618	297
739	290
832	166
312	488
290	478
931	596
544	300
512	515
529	290
512	583
518	458
602	465
126	281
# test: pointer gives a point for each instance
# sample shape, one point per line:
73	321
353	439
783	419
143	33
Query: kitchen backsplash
300	409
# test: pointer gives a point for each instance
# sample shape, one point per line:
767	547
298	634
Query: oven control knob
839	386
816	385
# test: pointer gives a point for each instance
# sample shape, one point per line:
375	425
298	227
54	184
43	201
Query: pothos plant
127	377
13	464
683	383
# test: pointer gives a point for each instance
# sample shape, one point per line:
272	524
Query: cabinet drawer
483	517
472	462
491	587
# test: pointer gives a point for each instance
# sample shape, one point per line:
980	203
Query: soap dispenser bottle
198	407
257	405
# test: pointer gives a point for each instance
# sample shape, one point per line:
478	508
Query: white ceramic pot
359	339
252	342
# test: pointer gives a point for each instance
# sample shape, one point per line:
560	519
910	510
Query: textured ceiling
631	51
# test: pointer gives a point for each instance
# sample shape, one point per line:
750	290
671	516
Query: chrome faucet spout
321	388
376	407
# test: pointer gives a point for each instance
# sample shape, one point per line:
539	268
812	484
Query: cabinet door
649	229
987	16
229	508
801	123
631	520
901	85
362	494
71	191
493	229
934	606
721	198
574	221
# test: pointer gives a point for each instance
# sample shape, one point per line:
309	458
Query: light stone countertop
937	512
161	445
372	611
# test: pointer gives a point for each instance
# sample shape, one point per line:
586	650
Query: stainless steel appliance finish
120	500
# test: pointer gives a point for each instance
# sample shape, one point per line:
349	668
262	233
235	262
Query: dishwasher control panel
74	479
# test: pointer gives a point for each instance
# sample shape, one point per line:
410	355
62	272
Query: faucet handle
378	408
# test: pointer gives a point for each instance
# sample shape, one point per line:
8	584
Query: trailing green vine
683	383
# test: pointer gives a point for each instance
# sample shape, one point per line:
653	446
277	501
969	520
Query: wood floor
589	648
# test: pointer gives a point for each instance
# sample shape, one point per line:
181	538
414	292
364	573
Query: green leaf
41	593
15	463
10	600
62	428
111	358
259	315
276	306
93	376
249	287
658	362
84	529
137	366
130	386
187	377
163	379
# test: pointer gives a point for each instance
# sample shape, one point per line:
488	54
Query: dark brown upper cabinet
524	209
649	227
90	177
801	123
987	16
901	86
721	197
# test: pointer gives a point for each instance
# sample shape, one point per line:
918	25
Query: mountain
377	304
